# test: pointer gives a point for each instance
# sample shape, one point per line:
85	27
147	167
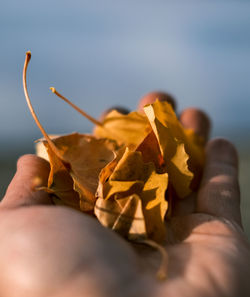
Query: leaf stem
51	144
162	271
90	118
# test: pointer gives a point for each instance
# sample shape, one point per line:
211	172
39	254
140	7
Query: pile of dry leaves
123	172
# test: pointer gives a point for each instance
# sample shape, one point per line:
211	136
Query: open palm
48	250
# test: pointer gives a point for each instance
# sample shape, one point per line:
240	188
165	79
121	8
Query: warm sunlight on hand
48	250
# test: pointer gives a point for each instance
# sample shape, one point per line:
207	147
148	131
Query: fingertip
32	173
197	120
219	193
120	109
32	160
220	150
152	96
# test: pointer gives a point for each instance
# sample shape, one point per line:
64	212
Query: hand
54	251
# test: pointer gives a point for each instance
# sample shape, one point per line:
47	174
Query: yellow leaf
122	177
155	205
122	215
195	148
128	129
131	177
108	170
130	167
121	188
176	147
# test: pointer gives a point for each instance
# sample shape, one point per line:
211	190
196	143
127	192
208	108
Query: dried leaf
127	177
123	215
60	183
155	205
40	148
175	146
130	167
132	177
108	170
82	157
121	188
195	148
128	129
150	151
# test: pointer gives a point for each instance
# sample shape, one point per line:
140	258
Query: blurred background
104	53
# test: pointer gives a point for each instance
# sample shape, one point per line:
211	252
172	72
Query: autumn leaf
123	215
60	183
121	188
127	176
175	145
130	167
128	130
130	177
151	152
40	148
108	170
155	205
195	148
83	157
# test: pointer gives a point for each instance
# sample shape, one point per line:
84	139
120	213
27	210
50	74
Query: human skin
54	251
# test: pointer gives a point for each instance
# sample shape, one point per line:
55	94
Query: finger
219	194
198	121
32	172
151	97
120	109
184	206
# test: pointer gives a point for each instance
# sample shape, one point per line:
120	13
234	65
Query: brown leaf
60	183
82	157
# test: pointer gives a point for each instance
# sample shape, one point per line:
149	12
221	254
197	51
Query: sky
104	53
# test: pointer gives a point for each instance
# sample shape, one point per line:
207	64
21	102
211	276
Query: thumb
32	172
